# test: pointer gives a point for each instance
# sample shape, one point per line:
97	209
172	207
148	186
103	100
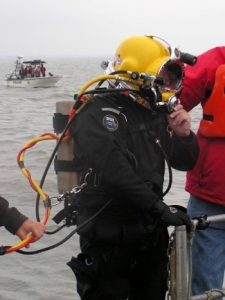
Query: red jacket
207	179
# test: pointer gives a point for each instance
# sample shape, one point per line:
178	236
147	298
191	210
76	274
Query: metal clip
78	189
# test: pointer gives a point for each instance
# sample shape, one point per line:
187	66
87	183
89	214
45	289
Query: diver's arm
184	150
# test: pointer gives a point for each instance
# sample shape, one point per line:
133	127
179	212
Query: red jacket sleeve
199	79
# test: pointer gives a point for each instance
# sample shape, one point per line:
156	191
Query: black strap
64	165
59	122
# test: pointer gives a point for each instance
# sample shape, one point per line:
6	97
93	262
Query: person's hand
37	230
179	121
170	215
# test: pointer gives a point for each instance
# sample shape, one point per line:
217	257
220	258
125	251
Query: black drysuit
124	249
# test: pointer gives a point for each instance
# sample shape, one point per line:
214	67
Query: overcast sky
96	27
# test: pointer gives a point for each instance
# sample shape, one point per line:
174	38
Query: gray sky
96	27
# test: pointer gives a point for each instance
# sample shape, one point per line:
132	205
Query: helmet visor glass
172	74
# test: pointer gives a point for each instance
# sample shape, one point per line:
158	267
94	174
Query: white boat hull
33	82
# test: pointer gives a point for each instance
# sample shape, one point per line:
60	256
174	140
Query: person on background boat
18	224
29	71
43	70
122	142
204	84
37	71
22	72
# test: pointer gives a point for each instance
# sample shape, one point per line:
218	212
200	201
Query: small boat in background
31	73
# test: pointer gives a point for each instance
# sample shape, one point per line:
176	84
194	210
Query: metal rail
181	266
209	295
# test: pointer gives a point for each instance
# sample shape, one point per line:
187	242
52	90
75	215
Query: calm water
24	114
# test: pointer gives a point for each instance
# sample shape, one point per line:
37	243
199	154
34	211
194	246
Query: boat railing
180	263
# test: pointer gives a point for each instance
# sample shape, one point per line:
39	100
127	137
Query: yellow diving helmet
149	55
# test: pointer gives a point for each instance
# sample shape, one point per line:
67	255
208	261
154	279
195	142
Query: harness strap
64	165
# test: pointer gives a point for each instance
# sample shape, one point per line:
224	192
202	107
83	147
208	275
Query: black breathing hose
69	235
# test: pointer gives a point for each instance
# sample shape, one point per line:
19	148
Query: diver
124	138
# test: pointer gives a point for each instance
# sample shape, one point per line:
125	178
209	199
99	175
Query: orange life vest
213	122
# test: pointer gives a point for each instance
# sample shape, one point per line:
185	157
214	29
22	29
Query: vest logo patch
110	122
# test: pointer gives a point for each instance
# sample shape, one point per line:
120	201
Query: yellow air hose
35	186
